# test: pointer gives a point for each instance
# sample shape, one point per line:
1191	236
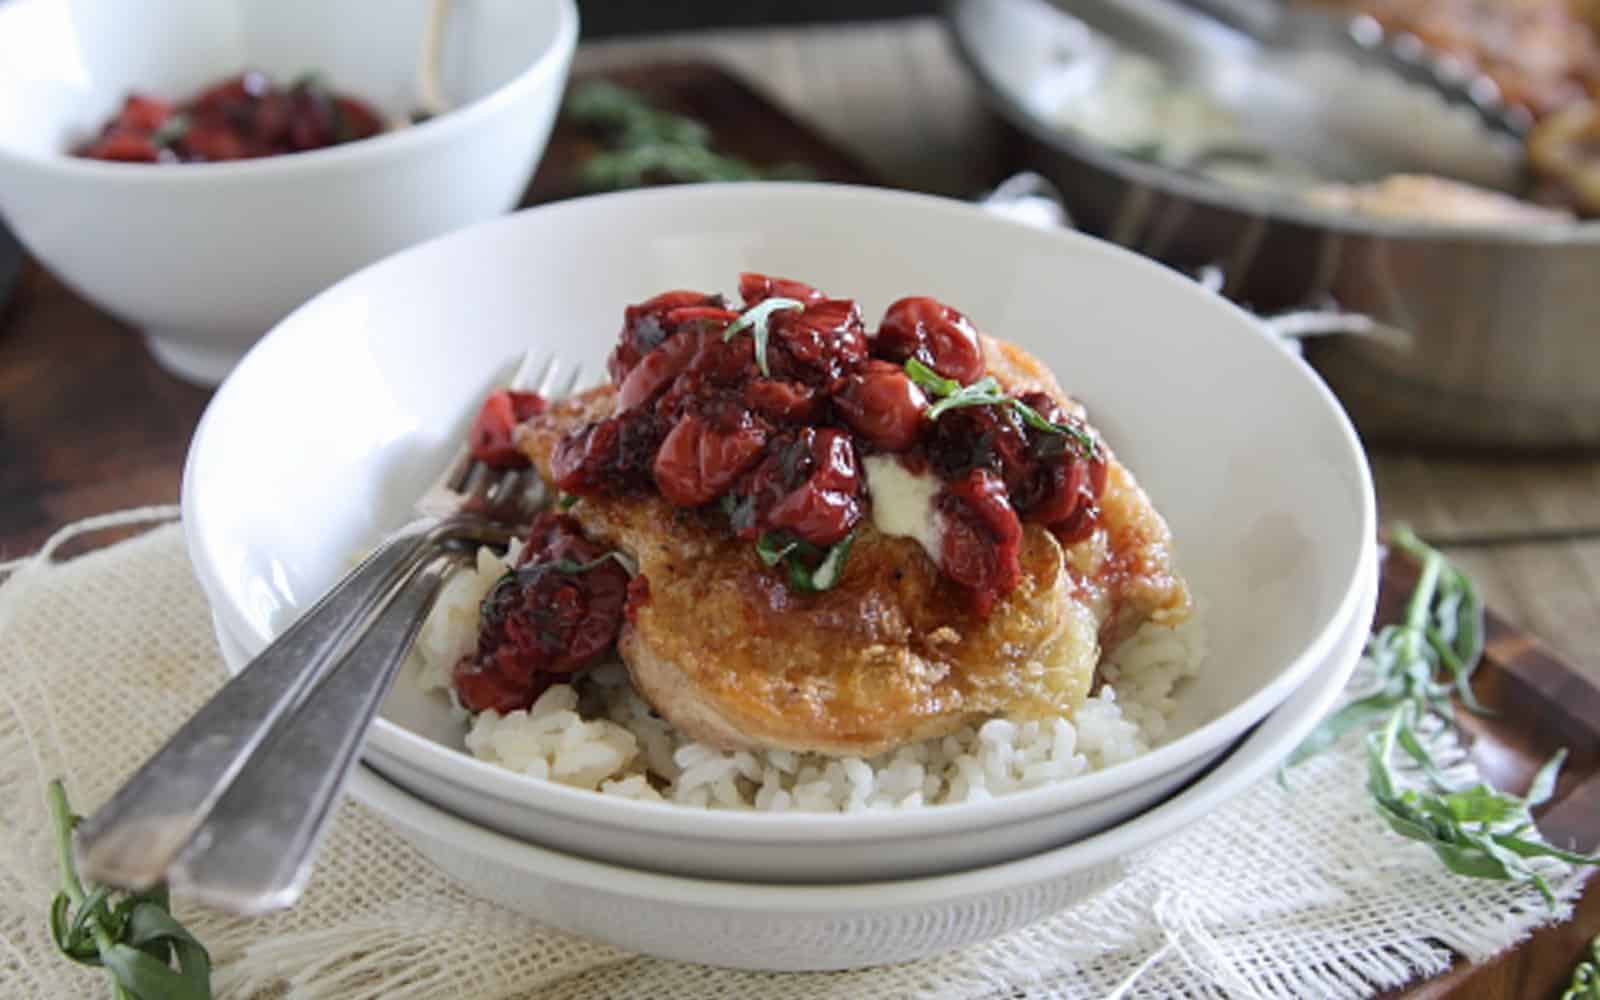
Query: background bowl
1254	465
783	927
205	258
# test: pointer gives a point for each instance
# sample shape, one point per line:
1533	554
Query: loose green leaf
567	501
643	143
930	381
755	319
1418	664
149	955
986	391
1356	715
1544	782
1585	984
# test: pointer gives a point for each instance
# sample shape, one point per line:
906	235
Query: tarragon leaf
950	395
755	319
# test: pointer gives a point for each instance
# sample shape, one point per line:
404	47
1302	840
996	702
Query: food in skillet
813	544
243	117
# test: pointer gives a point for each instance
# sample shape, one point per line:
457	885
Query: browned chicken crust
730	655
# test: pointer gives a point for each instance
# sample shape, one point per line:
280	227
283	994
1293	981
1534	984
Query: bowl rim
1250	759
525	792
1260	204
438	129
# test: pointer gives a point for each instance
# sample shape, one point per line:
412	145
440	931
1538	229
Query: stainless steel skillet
1504	321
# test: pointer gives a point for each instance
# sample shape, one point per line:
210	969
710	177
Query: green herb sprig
643	142
1585	984
149	955
755	319
1475	830
1419	663
986	391
1442	630
799	556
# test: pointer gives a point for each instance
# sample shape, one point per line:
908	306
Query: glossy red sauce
244	117
778	450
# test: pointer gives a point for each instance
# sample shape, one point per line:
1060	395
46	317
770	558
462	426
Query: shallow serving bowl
786	927
204	258
332	425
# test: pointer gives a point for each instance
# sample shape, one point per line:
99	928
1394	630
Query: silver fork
192	800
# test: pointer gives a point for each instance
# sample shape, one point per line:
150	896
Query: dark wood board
88	423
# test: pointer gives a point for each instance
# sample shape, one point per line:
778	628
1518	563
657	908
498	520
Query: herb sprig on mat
1585	984
1419	663
644	143
149	955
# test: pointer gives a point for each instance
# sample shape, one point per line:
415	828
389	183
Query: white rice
599	734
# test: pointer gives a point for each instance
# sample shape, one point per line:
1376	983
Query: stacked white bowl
331	426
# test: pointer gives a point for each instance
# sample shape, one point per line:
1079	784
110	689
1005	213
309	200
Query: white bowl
795	928
205	258
333	424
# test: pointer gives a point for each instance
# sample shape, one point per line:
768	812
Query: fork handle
254	852
132	839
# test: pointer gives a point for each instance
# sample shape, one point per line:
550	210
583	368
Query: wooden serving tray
88	423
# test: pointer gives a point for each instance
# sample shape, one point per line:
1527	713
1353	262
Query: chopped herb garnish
149	955
756	319
773	547
1418	664
986	391
171	130
568	501
780	547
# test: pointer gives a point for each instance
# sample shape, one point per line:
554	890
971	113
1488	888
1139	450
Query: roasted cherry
705	453
817	344
142	114
655	371
755	288
611	456
809	484
783	401
645	326
490	439
978	437
934	334
558	613
980	542
882	404
123	147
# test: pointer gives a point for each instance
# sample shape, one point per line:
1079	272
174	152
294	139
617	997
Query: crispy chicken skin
728	653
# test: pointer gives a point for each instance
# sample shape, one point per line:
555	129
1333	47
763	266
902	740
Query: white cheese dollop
902	502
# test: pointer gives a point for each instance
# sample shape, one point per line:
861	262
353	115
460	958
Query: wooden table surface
87	425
